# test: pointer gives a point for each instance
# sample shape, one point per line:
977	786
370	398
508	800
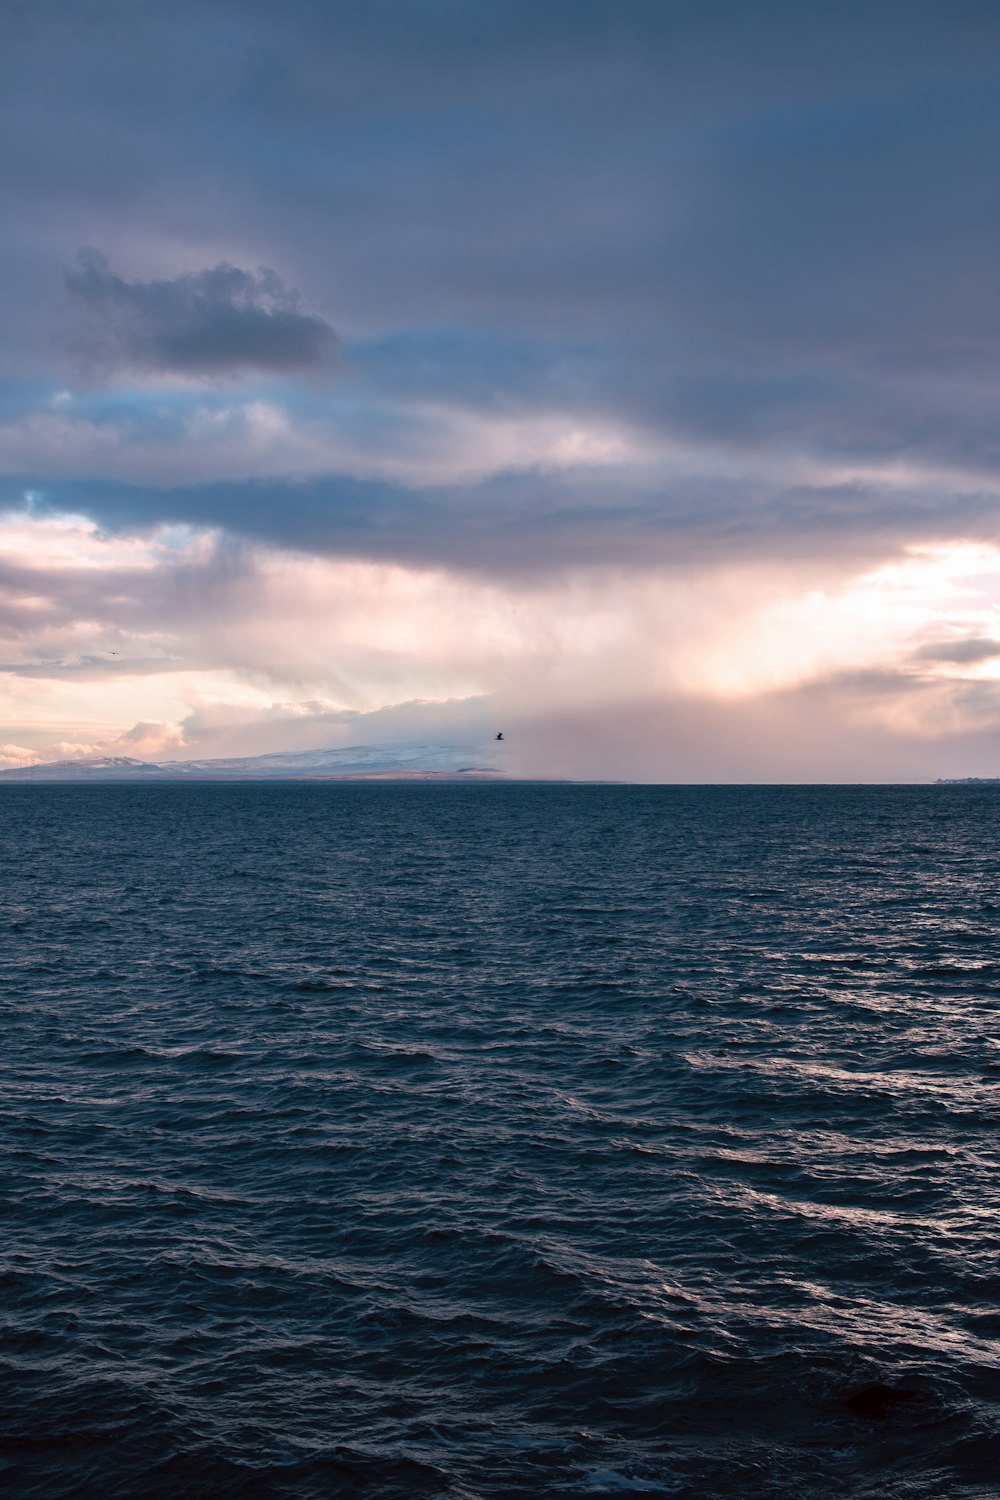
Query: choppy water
390	1140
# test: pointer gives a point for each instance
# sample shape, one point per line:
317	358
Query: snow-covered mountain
354	762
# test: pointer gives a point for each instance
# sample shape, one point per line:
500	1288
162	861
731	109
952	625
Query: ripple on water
500	1140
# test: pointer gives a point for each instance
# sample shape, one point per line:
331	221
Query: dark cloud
219	322
766	229
532	522
967	652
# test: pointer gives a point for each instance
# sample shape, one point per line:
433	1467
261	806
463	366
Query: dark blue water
393	1140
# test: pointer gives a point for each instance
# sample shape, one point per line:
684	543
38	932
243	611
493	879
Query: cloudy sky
624	374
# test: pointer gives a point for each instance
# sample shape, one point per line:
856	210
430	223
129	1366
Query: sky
621	374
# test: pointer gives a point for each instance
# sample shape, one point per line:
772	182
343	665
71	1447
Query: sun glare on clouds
279	628
876	619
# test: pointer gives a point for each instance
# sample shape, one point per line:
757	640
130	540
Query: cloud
18	755
184	643
660	329
150	739
196	437
211	324
539	520
753	235
967	652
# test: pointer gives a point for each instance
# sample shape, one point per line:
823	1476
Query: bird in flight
499	734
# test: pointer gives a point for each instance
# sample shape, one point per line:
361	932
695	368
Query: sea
499	1140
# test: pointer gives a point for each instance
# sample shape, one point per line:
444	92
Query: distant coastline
352	763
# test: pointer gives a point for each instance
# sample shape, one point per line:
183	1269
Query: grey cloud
969	651
135	612
530	523
88	668
219	322
766	226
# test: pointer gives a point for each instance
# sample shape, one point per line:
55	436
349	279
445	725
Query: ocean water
499	1140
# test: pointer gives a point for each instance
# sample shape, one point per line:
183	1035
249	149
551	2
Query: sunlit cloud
18	755
48	543
186	646
877	619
